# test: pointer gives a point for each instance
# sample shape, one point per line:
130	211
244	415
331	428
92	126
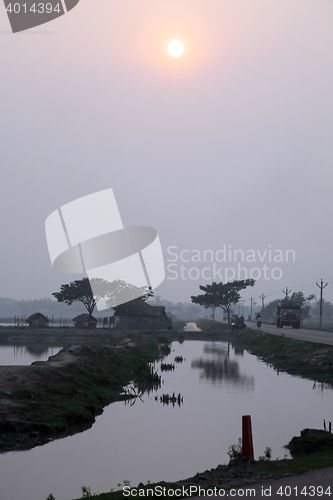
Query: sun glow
175	48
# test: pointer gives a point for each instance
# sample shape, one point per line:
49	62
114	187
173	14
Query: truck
288	314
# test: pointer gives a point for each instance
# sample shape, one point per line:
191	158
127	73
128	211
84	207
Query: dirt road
316	483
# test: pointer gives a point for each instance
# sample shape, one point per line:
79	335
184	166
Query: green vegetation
144	374
167	399
305	359
165	350
267	454
167	367
310	441
235	450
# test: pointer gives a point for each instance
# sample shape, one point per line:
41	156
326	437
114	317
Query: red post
247	441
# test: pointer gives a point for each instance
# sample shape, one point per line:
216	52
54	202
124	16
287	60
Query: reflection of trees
218	349
239	351
221	367
37	349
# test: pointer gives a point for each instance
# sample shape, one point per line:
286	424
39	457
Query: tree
80	291
207	300
327	309
120	292
117	292
221	295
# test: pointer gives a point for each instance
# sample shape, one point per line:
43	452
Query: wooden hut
37	320
85	321
138	315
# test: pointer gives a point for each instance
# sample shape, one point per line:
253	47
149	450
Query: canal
152	441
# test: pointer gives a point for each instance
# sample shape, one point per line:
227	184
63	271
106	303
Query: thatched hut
138	315
37	320
85	321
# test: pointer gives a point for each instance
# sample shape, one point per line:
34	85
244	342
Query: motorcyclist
258	320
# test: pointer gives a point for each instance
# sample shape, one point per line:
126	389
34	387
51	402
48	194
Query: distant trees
327	309
270	311
181	310
222	295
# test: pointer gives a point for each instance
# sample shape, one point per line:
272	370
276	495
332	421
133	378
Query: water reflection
238	351
219	349
26	354
222	370
218	367
37	349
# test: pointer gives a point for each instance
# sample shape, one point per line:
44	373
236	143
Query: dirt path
312	483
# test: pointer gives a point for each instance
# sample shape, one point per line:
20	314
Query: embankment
58	397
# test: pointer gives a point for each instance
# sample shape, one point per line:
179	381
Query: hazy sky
230	144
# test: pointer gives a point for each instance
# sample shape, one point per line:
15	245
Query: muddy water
150	441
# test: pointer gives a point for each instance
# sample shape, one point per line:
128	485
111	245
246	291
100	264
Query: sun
175	48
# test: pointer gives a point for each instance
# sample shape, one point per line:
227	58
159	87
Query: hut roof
83	317
138	307
36	316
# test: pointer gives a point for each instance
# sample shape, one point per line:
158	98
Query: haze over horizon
228	147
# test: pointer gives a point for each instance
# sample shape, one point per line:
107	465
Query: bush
235	450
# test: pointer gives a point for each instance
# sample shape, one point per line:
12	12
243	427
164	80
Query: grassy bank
304	359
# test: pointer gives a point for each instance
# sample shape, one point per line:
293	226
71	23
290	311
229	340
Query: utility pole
286	292
262	297
251	299
321	286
